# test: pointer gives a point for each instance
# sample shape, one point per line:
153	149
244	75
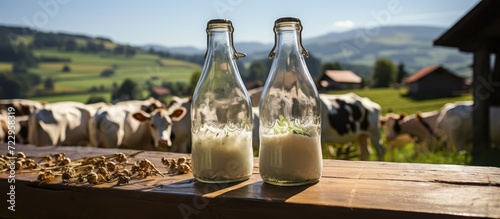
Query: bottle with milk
290	113
221	113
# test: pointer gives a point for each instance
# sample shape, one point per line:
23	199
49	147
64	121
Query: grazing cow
22	111
62	123
4	130
17	123
455	123
181	129
349	118
421	128
127	125
22	107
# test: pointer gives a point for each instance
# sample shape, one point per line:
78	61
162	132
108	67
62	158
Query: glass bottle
290	113
221	113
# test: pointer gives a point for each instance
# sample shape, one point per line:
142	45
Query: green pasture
5	66
86	69
394	100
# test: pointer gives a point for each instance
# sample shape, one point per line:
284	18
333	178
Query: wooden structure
339	80
479	32
347	189
435	80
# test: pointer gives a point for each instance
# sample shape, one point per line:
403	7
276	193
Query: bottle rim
228	22
298	27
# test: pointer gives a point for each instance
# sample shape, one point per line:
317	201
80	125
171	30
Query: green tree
129	90
195	77
20	68
258	71
70	45
402	73
384	72
107	73
95	99
10	87
48	84
313	64
66	68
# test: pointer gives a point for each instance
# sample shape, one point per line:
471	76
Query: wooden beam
480	114
495	99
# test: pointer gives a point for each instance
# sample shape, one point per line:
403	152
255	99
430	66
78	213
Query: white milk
290	159
224	157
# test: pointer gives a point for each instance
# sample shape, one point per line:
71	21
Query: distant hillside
13	37
182	50
411	45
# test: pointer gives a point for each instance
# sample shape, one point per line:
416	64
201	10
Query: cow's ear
402	116
178	114
419	116
142	116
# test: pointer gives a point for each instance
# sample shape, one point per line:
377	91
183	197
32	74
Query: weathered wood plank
351	189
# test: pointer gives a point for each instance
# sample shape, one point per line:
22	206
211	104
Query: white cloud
343	24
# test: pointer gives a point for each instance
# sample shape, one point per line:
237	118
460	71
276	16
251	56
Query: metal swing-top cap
214	23
299	28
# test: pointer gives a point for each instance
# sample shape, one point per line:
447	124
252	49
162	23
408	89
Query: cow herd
151	125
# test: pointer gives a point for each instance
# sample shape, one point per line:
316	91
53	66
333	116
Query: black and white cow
22	109
350	118
345	119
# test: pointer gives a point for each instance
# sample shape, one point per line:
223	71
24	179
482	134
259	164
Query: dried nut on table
94	170
181	166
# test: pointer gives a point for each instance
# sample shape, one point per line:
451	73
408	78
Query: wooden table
348	189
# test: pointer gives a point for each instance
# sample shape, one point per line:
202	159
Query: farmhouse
478	33
339	80
435	80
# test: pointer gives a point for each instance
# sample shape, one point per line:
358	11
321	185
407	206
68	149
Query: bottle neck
219	43
288	40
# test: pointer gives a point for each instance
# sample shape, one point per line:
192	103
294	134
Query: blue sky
183	22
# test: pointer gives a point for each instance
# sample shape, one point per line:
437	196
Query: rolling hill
412	45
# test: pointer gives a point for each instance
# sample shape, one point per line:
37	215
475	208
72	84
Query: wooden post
480	115
495	98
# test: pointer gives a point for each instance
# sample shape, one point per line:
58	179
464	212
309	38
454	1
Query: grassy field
86	69
5	66
394	100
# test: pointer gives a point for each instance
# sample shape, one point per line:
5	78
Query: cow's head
160	122
392	123
151	104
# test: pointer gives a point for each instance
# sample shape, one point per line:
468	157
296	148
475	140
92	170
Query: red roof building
339	80
436	81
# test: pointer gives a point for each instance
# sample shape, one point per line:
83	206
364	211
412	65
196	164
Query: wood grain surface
347	189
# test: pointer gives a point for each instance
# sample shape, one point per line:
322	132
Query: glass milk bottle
290	113
221	113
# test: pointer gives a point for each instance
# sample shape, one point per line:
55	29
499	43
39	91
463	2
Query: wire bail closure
236	54
298	28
